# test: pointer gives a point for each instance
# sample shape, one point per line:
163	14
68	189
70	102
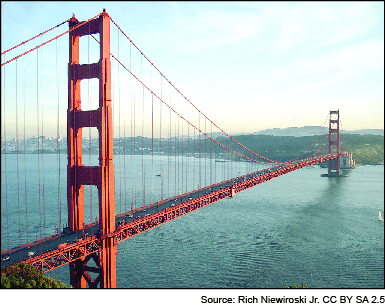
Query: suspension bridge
181	159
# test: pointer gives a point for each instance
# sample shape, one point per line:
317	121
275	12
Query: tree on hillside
24	276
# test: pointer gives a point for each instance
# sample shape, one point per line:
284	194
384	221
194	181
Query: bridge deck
46	252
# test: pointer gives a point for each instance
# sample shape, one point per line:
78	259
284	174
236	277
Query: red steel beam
68	254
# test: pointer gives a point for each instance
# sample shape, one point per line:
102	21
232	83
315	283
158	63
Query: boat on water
380	216
159	175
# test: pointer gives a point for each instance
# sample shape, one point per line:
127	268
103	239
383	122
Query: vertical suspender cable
131	131
38	132
176	154
177	148
223	164
5	161
187	155
120	155
124	158
177	174
180	152
134	117
175	161
160	140
228	161
152	145
192	117
182	141
233	166
143	169
205	155
200	162
227	168
152	141
211	156
215	166
231	161
25	162
124	154
17	162
169	152
57	139
42	134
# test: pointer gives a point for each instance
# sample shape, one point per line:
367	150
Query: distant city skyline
248	66
278	131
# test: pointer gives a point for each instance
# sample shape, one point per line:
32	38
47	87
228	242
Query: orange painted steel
70	253
79	175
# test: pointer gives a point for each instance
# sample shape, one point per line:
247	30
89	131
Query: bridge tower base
101	176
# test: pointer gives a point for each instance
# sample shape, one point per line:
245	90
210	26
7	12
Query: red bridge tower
334	145
101	176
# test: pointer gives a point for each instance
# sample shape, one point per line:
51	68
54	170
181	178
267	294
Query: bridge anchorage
344	160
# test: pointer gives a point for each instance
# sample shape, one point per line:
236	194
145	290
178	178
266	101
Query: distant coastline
313	130
275	144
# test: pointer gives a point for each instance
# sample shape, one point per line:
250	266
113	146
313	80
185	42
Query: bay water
300	228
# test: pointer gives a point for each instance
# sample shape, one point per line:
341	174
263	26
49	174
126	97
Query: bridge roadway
84	242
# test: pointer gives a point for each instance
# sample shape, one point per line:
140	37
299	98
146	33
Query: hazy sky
248	66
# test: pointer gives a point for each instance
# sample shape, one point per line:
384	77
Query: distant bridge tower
101	176
334	143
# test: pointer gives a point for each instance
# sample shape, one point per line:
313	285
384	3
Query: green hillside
366	149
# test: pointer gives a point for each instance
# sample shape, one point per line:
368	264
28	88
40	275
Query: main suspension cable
56	37
271	161
319	134
189	100
4	52
230	150
162	101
